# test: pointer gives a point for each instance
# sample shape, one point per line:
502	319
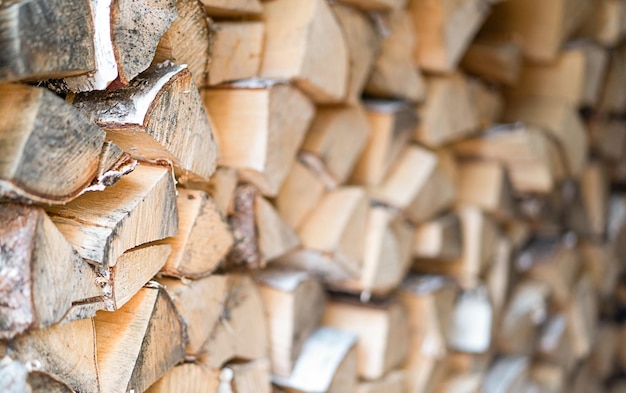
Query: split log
363	44
263	142
382	330
260	234
499	277
507	374
444	30
424	373
140	208
393	74
470	326
132	353
158	117
601	263
46	39
391	125
488	102
494	58
555	343
438	239
327	363
549	377
203	240
42	382
189	377
605	23
582	318
377	5
393	382
230	8
607	137
304	44
604	352
612	98
594	189
236	51
486	184
249	377
294	303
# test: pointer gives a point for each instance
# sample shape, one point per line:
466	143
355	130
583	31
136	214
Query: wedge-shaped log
132	353
260	233
46	39
582	318
262	142
486	184
158	117
393	382
612	98
294	304
436	126
241	331
393	74
605	25
249	377
139	209
488	102
188	377
333	236
376	5
438	239
188	40
363	45
236	51
304	44
327	363
230	8
391	126
494	58
444	30
203	240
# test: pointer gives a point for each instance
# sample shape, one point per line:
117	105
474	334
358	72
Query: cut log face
393	74
140	208
236	51
42	382
486	184
262	143
188	377
304	44
327	363
382	331
138	21
203	240
488	101
249	377
494	58
132	353
241	331
439	238
188	40
46	39
393	382
444	30
230	8
294	303
363	45
158	117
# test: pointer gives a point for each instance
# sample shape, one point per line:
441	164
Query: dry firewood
187	377
600	262
261	142
236	51
393	382
158	117
132	351
499	276
139	209
607	137
45	39
603	355
554	342
438	239
544	375
486	184
377	5
249	377
507	374
444	30
188	40
327	363
424	373
294	304
605	25
594	189
494	58
582	317
304	44
488	102
203	240
382	330
612	97
42	382
393	74
230	8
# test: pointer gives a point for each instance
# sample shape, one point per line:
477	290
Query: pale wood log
554	343
189	40
382	330
547	377
499	277
138	21
393	382
494	58
459	362
604	352
139	209
377	5
470	326
249	377
607	137
222	188
391	125
444	30
466	382
393	74
612	98
508	374
424	373
187	377
333	236
327	363
486	184
488	102
594	190
46	39
236	51
605	25
363	44
436	126
241	331
260	233
262	142
294	304
304	44
439	238
203	240
582	317
132	351
518	232
601	263
584	380
230	8
158	117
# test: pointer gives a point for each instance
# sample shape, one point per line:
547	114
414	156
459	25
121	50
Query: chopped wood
604	352
594	189
439	238
488	102
222	188
190	377
601	263
507	374
605	24
498	278
494	58
393	382
249	377
230	8
607	137
612	98
486	184
424	373
377	5
42	382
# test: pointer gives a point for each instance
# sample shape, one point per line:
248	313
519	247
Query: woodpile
349	196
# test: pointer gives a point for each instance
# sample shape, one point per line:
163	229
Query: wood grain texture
231	8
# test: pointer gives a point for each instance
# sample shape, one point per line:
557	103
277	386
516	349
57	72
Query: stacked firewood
238	196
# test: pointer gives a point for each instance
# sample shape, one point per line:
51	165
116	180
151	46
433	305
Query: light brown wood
605	24
190	377
607	137
507	374
304	44
494	58
603	355
547	376
612	98
393	74
221	187
595	189
261	142
439	238
488	102
486	184
466	382
41	382
249	377
294	304
203	240
101	226
424	373
393	382
158	117
236	51
377	5
600	262
382	331
499	277
230	8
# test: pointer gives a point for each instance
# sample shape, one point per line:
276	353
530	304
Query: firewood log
393	382
486	184
494	58
438	239
249	377
377	5
605	24
230	8
190	377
